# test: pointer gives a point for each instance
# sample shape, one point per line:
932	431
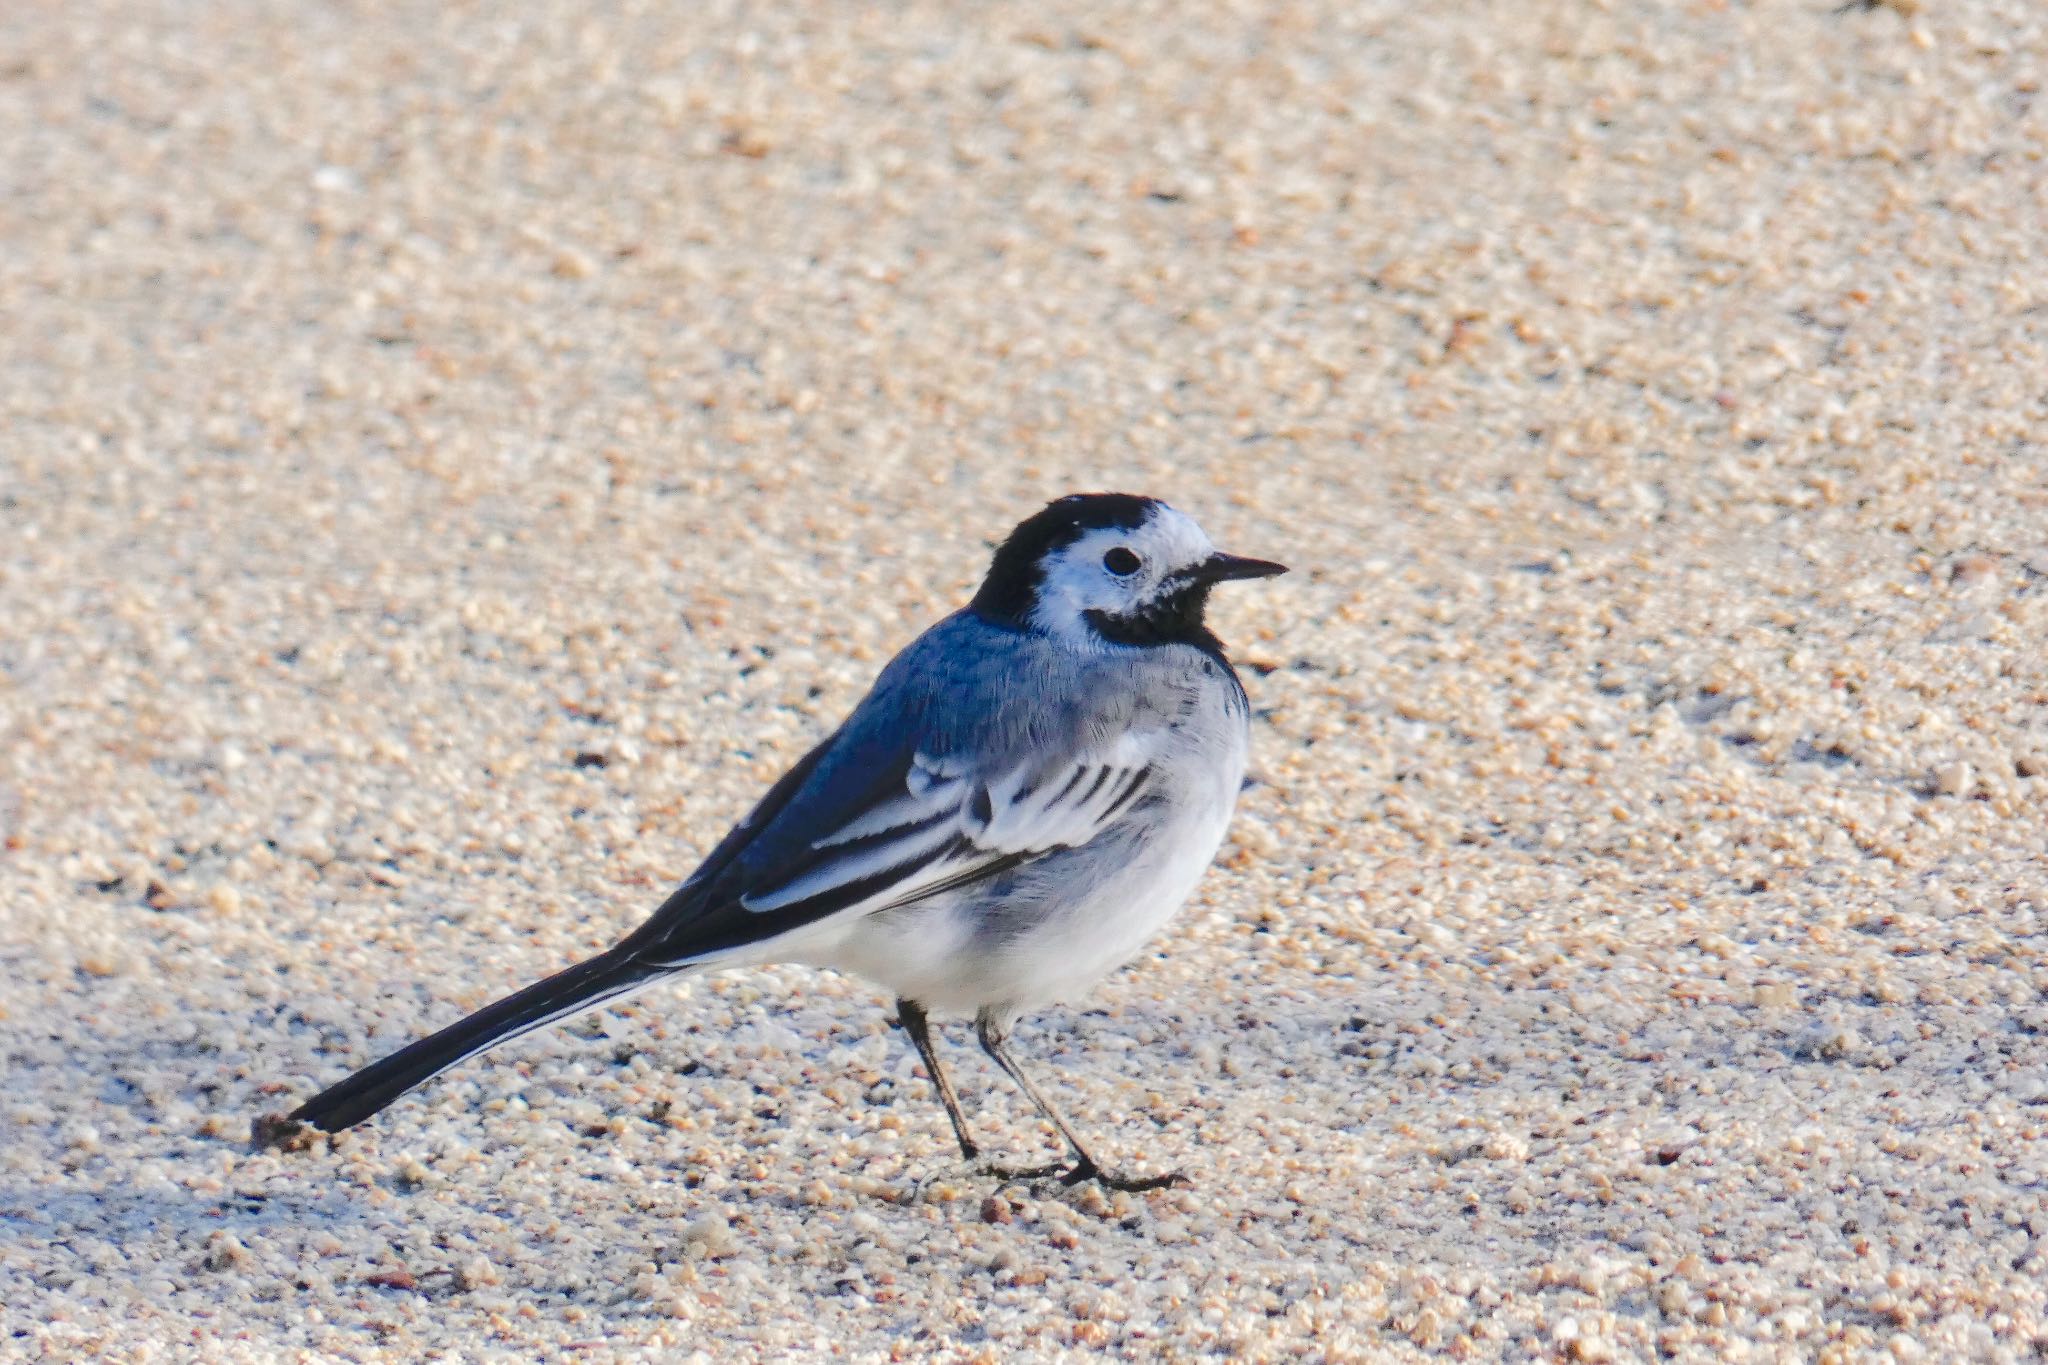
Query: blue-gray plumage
1026	795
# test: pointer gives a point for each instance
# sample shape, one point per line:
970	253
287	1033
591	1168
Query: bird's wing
950	823
896	807
937	827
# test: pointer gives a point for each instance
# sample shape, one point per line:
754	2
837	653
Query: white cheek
1079	586
1070	590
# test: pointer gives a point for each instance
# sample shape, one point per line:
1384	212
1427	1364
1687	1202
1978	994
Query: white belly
1058	926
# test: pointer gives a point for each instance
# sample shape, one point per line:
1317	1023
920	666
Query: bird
1026	796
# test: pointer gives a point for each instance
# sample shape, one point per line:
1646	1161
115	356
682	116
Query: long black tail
581	987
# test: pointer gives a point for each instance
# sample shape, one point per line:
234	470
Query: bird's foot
1009	1173
1084	1171
1135	1184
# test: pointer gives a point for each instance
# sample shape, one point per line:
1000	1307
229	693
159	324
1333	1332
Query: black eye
1121	562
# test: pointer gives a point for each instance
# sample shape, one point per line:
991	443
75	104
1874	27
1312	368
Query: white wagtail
1028	793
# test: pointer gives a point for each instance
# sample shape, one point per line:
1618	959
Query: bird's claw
1084	1171
1130	1184
1009	1173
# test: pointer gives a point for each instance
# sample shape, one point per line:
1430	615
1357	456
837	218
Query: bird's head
1110	566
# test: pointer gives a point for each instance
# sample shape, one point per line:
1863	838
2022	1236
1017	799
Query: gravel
452	458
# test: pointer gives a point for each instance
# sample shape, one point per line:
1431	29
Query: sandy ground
452	457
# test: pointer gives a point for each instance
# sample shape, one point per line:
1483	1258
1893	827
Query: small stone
1829	1041
224	1251
1973	569
1503	1145
335	180
1432	935
475	1273
746	139
707	1237
995	1209
1954	779
223	898
1092	1201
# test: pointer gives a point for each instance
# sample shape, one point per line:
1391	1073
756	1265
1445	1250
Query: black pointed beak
1222	568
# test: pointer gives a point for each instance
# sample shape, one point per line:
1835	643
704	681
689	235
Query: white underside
1066	921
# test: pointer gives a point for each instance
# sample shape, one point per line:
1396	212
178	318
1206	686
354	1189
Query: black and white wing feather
950	823
943	826
942	778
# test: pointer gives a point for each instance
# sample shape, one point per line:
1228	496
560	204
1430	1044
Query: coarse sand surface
454	456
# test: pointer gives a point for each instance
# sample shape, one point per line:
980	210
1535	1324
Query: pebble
477	1272
708	1236
1954	779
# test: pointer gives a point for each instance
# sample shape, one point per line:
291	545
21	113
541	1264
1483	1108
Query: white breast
1056	927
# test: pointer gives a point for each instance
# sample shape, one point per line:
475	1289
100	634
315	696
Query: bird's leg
915	1024
990	1028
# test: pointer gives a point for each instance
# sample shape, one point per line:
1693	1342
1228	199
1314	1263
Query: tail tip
292	1132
